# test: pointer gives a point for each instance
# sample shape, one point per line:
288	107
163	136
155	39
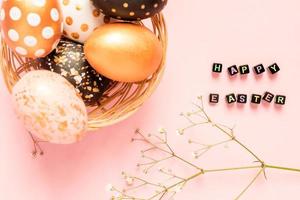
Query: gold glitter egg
68	60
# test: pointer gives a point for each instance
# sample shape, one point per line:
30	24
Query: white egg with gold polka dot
80	19
31	28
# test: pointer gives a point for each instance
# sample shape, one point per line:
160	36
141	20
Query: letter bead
280	99
214	98
274	68
259	69
244	69
230	98
256	99
268	97
217	67
233	70
242	98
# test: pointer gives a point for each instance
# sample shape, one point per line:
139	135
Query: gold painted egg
31	28
124	52
80	19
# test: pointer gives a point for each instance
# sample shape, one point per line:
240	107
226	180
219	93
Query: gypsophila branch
37	149
159	151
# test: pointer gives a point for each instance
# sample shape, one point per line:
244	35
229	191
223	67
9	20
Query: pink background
201	32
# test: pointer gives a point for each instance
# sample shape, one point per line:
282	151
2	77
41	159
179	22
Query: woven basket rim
121	100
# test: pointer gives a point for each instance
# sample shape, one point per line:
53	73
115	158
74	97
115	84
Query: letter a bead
233	70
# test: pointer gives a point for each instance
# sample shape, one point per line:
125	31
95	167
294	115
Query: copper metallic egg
124	52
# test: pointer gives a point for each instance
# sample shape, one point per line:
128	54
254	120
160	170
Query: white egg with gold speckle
80	19
50	107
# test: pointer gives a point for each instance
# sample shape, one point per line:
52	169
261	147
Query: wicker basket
120	100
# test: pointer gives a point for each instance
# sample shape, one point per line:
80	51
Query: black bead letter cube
256	98
230	98
244	69
259	69
242	98
217	67
233	70
214	98
280	99
268	97
274	68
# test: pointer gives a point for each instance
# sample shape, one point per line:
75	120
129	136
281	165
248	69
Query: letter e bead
268	97
214	98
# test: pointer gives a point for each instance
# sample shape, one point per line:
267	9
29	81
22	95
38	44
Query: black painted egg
130	9
68	60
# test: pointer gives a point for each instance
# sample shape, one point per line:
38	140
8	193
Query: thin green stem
187	162
232	169
282	168
240	143
247	149
250	184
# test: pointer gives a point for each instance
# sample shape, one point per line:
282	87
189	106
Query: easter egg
124	52
130	9
31	28
80	18
68	60
50	107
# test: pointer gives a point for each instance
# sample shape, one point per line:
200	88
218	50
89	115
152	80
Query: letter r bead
280	99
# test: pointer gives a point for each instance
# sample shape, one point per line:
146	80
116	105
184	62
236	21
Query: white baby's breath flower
195	155
180	131
162	130
109	187
129	181
178	189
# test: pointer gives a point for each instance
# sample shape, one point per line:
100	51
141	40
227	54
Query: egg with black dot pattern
68	60
130	9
